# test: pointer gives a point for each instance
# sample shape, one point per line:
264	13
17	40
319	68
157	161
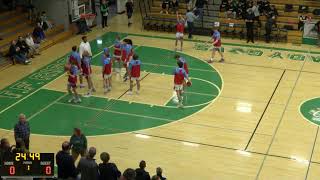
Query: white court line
115	112
46	107
130	132
175	66
28	95
43	85
202	94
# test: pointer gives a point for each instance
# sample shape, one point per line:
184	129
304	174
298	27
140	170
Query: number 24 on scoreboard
27	156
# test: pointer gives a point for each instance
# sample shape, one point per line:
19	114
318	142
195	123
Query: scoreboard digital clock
28	164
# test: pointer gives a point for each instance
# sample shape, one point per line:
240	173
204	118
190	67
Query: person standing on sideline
84	46
249	24
191	17
268	26
78	143
108	170
88	167
216	42
317	28
65	163
104	13
129	8
22	130
159	173
142	174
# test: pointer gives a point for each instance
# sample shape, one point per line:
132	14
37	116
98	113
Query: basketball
189	83
67	67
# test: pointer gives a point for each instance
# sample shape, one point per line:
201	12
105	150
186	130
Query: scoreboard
39	165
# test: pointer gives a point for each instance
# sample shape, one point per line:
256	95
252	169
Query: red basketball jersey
180	27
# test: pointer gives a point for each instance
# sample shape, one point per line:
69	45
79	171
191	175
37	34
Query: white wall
57	10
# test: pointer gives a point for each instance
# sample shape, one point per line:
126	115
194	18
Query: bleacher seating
13	24
287	22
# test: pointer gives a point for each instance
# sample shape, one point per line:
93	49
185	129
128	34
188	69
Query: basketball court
255	116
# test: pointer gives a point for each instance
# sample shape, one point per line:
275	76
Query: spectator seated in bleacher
231	9
200	5
256	12
38	33
164	6
34	47
24	48
274	14
82	26
174	6
265	6
302	19
242	9
16	54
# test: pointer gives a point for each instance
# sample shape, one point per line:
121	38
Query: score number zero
12	170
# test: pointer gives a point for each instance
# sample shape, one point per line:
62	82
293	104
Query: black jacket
23	46
109	171
66	167
13	50
142	174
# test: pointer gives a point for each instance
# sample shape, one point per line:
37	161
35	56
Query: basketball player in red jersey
134	72
183	60
179	31
185	67
72	71
117	55
126	55
75	57
216	42
179	78
87	72
106	70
